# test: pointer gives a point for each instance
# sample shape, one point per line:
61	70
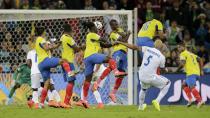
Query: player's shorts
145	41
120	57
65	75
46	65
191	80
91	61
23	81
35	80
157	81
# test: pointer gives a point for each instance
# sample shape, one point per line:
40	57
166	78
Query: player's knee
144	89
52	87
88	78
106	60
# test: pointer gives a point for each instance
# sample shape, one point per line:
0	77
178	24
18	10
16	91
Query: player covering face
92	56
152	59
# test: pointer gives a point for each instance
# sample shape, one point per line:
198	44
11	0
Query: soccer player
152	59
36	80
193	68
148	32
46	62
119	55
21	76
92	56
69	48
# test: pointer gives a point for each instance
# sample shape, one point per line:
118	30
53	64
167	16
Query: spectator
203	54
206	8
126	4
168	62
88	5
175	58
201	32
174	34
175	13
25	5
189	42
61	5
7	4
74	4
207	41
36	5
105	5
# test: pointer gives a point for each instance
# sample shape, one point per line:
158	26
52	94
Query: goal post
16	27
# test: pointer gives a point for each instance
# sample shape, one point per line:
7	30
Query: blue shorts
46	65
121	59
65	75
91	61
145	41
191	80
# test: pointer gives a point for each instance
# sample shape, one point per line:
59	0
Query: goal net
16	31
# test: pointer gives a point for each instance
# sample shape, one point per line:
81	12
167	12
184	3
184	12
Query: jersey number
148	60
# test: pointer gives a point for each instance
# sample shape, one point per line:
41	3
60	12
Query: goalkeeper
21	76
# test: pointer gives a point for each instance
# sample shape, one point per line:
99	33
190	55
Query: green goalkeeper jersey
22	74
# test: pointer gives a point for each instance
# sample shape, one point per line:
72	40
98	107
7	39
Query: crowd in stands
184	21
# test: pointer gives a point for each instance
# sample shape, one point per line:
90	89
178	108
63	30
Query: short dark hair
67	28
112	20
181	43
39	30
89	25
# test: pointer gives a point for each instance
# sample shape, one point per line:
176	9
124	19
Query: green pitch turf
108	112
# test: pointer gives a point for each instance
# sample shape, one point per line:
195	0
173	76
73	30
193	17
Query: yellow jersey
41	53
149	28
67	50
114	36
92	47
191	65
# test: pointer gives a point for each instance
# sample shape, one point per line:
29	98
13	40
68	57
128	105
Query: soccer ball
98	24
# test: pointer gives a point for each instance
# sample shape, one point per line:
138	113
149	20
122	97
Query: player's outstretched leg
69	91
142	95
187	91
98	99
112	95
12	91
164	85
197	96
44	92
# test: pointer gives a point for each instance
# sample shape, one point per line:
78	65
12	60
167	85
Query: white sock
142	95
97	96
56	95
50	95
163	92
40	91
82	97
35	97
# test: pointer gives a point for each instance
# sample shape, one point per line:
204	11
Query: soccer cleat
79	103
113	97
118	73
85	104
189	104
41	105
143	107
64	105
200	104
156	104
30	103
100	106
95	86
36	106
53	103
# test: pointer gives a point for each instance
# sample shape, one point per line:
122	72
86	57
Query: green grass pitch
172	111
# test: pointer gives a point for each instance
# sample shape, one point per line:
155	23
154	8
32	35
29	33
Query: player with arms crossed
152	59
92	56
46	62
193	70
119	55
69	47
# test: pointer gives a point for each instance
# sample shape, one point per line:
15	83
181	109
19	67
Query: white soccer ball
98	24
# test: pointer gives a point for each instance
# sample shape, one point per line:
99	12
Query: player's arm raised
103	43
131	46
124	36
47	46
200	65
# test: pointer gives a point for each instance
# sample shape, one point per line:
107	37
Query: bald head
158	44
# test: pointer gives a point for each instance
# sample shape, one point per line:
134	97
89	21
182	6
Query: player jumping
193	70
93	56
152	59
69	47
46	62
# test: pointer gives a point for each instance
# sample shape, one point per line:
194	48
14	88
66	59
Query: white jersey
33	57
152	59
